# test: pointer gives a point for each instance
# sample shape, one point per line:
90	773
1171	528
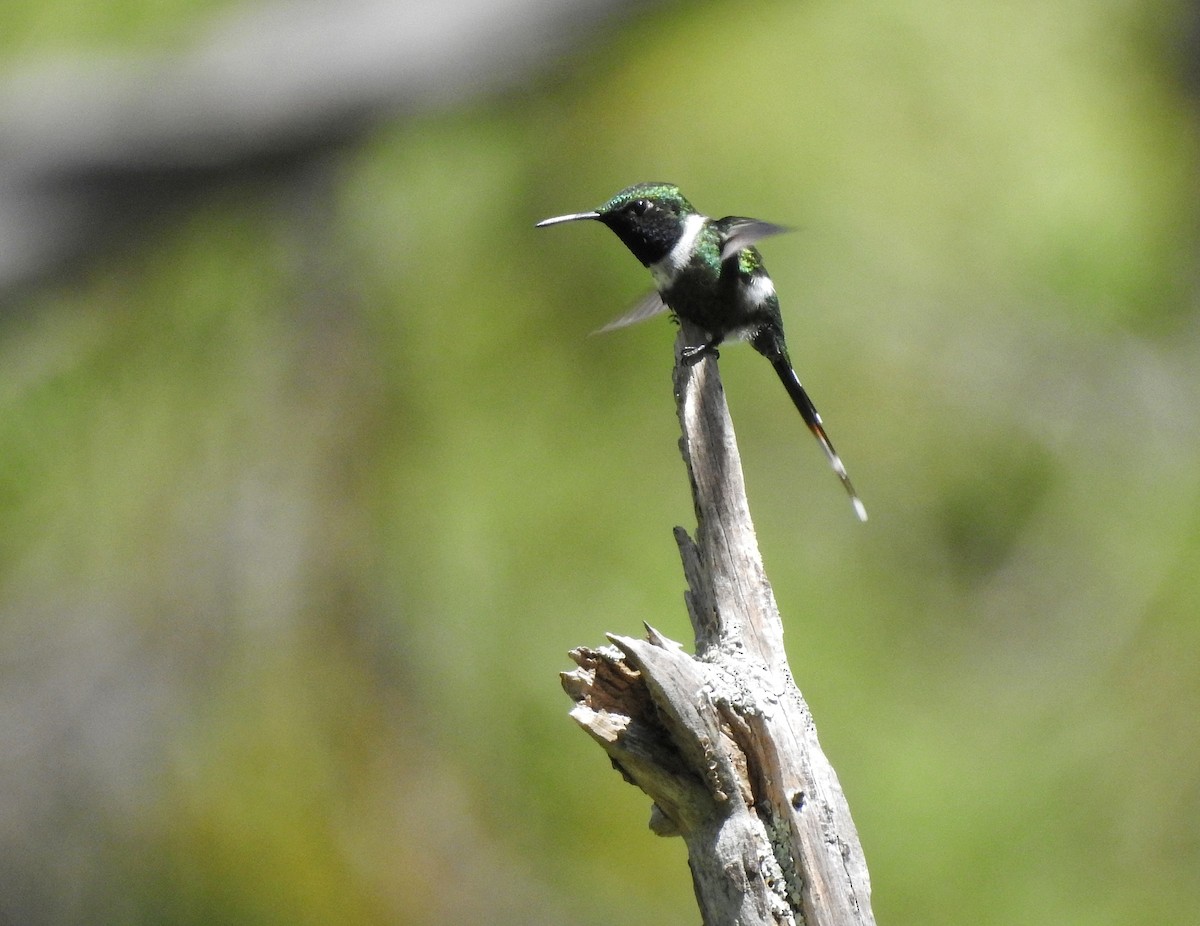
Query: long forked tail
809	413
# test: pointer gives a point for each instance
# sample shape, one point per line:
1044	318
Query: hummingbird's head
649	219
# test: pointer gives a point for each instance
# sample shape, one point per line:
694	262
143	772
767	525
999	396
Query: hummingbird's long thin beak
574	217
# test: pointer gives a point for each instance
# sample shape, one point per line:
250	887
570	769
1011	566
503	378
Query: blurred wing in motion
738	234
647	307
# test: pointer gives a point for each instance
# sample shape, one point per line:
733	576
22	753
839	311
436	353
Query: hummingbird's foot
693	354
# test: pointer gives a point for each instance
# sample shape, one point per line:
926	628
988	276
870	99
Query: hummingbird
708	272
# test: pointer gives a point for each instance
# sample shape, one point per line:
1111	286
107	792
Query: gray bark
722	741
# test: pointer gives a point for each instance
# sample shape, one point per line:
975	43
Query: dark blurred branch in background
90	148
723	742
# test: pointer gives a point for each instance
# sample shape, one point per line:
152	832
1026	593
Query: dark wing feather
647	307
738	233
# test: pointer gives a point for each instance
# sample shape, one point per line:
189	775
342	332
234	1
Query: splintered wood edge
625	713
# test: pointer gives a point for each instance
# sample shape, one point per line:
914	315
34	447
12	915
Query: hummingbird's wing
647	307
738	233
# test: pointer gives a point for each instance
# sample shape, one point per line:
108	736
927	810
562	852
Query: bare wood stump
722	741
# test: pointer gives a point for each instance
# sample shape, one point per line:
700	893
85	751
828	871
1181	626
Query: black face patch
648	218
648	228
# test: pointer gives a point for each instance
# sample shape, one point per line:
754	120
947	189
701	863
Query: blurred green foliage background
308	487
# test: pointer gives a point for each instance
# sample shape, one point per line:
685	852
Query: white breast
668	268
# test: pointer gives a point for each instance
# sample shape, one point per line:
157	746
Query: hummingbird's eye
640	206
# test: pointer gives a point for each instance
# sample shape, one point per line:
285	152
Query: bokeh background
311	475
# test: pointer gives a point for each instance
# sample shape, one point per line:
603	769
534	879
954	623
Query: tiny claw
693	354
